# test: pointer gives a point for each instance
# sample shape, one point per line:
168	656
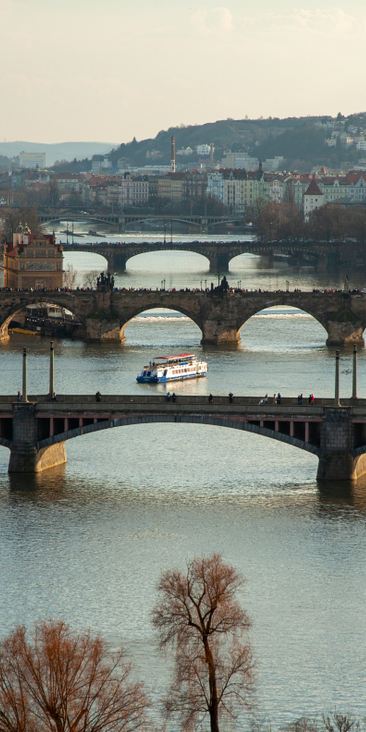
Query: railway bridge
104	313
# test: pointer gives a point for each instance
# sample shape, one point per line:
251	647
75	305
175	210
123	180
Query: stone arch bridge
35	432
104	313
218	253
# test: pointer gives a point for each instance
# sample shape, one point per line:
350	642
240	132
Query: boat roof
173	358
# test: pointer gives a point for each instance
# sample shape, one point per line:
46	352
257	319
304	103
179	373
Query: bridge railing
121	400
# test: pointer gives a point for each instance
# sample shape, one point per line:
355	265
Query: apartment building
242	189
171	186
133	191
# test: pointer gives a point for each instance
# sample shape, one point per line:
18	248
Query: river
87	542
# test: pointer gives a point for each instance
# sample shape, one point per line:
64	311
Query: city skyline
121	70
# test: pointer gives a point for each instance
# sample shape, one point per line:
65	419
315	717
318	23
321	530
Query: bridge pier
345	333
25	457
103	324
219	262
337	458
219	332
104	330
4	333
345	327
119	261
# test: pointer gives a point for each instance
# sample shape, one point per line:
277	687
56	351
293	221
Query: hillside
300	140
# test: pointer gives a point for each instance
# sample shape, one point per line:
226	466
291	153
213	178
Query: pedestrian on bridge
279	398
231	397
299	399
98	397
210	398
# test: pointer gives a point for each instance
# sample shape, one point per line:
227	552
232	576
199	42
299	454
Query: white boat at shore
172	368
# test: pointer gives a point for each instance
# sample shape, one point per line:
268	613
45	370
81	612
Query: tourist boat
172	368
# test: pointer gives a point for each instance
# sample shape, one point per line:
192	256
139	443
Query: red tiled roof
313	189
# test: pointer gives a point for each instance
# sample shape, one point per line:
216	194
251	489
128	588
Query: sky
109	70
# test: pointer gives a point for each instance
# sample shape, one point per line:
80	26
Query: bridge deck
35	431
221	403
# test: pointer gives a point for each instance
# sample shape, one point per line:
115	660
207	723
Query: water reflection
339	494
49	483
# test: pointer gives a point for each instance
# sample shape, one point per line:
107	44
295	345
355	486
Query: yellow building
171	186
33	262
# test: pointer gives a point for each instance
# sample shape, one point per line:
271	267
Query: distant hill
57	151
300	140
235	135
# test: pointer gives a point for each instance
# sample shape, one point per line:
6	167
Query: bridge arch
53	298
170	247
183	249
294	307
179	419
98	260
154	310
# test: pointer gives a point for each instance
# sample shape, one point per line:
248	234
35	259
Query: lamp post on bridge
52	371
336	395
24	397
354	374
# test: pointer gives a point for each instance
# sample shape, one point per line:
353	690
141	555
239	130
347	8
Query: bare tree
199	616
303	724
24	216
90	278
57	681
69	277
338	722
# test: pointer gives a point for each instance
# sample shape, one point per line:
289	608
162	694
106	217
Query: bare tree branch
199	617
56	681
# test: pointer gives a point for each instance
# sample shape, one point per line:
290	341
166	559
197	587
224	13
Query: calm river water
87	542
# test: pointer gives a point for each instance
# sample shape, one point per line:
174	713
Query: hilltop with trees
300	140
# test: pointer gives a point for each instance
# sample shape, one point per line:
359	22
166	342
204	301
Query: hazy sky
107	70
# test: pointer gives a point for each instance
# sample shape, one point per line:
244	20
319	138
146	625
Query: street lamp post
354	374
52	371
336	394
24	377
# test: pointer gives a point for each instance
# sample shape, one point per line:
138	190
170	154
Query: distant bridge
218	253
104	313
121	220
35	432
